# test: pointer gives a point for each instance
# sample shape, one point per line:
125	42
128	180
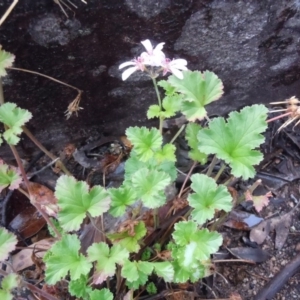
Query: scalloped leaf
14	118
165	270
136	273
167	152
6	60
127	241
80	287
121	198
234	140
8	243
76	200
150	186
194	245
64	258
101	294
145	141
9	177
191	134
133	164
198	89
106	259
209	197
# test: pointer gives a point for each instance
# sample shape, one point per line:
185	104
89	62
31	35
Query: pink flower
153	57
137	63
175	66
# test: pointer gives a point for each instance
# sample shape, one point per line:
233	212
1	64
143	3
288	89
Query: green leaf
151	288
166	153
145	141
5	295
136	273
208	198
14	118
133	164
150	186
80	287
127	241
171	105
75	201
165	270
194	245
182	275
154	111
6	60
9	177
121	198
64	258
198	89
106	260
191	132
101	294
235	140
169	89
8	243
10	282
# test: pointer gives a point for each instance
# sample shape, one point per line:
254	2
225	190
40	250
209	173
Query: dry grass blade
292	110
63	4
74	106
8	11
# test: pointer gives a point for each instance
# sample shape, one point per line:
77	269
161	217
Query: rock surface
253	46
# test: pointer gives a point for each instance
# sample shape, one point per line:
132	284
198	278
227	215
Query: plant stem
161	119
177	133
48	153
223	166
1	93
212	165
187	178
24	176
46	76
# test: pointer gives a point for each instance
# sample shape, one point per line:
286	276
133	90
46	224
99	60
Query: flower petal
148	46
159	47
128	72
176	72
126	64
179	64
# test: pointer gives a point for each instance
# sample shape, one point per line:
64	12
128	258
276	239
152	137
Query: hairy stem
161	119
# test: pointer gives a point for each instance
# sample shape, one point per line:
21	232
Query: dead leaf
256	255
258	201
44	198
242	220
280	224
23	259
28	222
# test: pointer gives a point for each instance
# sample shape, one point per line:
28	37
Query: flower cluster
154	57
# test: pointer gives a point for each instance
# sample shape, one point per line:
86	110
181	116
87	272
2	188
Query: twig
8	11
